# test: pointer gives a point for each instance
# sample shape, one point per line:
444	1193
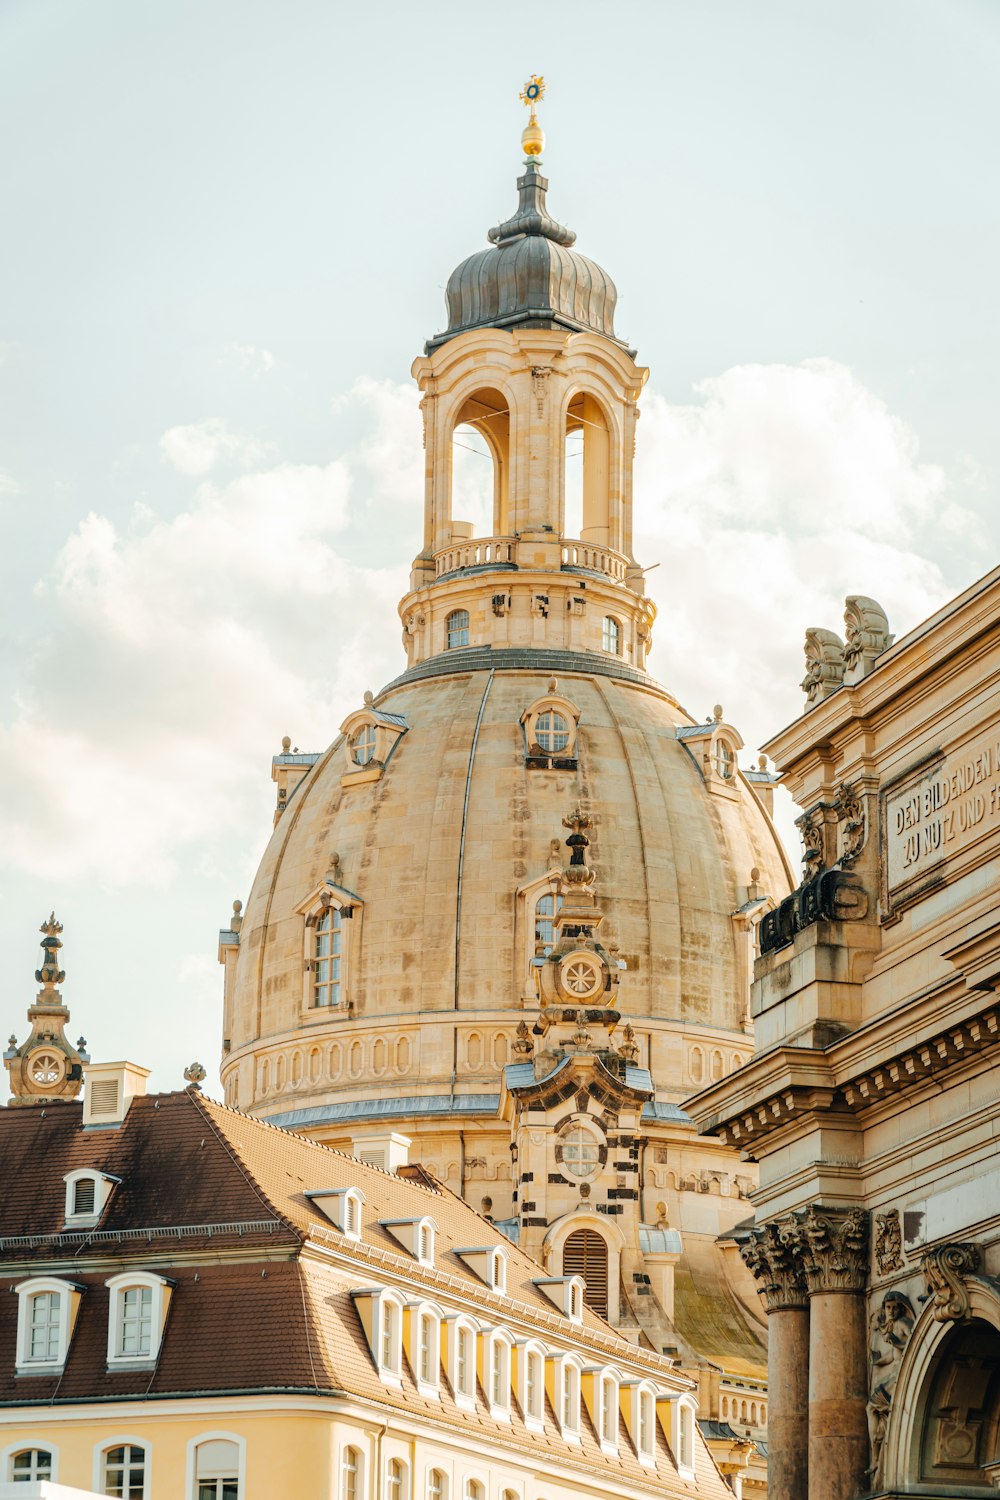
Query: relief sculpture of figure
891	1326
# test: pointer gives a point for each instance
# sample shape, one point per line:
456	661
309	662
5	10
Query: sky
228	228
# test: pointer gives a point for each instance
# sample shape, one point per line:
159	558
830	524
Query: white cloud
197	449
178	651
767	499
252	361
8	486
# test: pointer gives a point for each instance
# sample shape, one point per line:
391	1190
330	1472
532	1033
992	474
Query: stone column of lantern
771	1253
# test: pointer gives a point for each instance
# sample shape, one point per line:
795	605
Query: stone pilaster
772	1255
833	1247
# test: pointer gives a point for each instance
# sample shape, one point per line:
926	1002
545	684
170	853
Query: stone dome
441	857
530	277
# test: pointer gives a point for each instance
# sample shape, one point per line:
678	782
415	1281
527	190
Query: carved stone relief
888	1242
945	1269
824	665
891	1326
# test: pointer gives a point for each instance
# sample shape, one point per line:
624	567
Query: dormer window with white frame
381	1314
566	1292
136	1318
497	1347
566	1395
46	1315
489	1262
344	1207
640	1418
714	746
683	1415
531	1384
417	1236
87	1192
425	1349
460	1360
606	1410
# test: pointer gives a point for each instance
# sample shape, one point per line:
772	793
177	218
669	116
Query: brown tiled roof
269	1311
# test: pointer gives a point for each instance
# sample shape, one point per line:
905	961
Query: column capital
772	1257
832	1244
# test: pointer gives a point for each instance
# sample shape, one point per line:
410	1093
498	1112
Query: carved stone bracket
945	1269
853	824
833	1245
774	1263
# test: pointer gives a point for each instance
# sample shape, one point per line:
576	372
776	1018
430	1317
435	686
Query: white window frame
191	1465
336	1204
359	1487
103	1183
607	1406
105	1446
498	1351
388	1307
117	1287
529	1352
614	632
424	1241
474	1489
684	1415
404	1477
570	1429
34	1445
498	1271
643	1392
427	1328
465	629
69	1301
445	1490
412	1234
456	1327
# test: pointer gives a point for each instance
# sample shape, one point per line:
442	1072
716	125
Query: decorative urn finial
195	1074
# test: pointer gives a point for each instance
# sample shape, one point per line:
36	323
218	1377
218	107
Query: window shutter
585	1254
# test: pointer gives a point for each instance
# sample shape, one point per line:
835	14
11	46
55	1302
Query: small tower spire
46	1068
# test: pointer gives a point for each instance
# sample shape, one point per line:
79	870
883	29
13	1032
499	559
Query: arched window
437	1485
551	731
123	1471
350	1475
499	1376
395	1480
585	1254
685	1438
534	1385
611	635
724	759
327	946
31	1463
569	1415
545	910
363	745
465	1361
427	1354
217	1470
474	1490
480	467
645	1439
587	477
390	1341
609	1411
457	628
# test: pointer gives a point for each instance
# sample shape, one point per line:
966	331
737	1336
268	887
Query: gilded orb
533	139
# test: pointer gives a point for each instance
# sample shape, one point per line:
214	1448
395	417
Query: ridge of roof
200	1103
303	1140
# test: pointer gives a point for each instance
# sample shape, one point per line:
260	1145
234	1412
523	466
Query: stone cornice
789	1082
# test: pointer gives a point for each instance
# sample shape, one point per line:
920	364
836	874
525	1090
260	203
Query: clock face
46	1068
581	975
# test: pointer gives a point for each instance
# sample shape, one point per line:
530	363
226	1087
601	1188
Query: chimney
109	1089
390	1151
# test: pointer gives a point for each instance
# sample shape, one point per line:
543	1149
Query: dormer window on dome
550	730
714	746
369	739
329	916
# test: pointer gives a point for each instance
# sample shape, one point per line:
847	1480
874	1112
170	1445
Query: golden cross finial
533	137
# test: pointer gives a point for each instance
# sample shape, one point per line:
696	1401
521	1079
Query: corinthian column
771	1254
833	1245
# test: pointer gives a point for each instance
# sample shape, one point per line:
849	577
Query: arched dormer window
568	1397
426	1352
136	1317
46	1316
714	746
531	1384
682	1439
606	1412
611	636
460	1355
457	629
550	730
370	739
497	1347
643	1423
86	1194
331	921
